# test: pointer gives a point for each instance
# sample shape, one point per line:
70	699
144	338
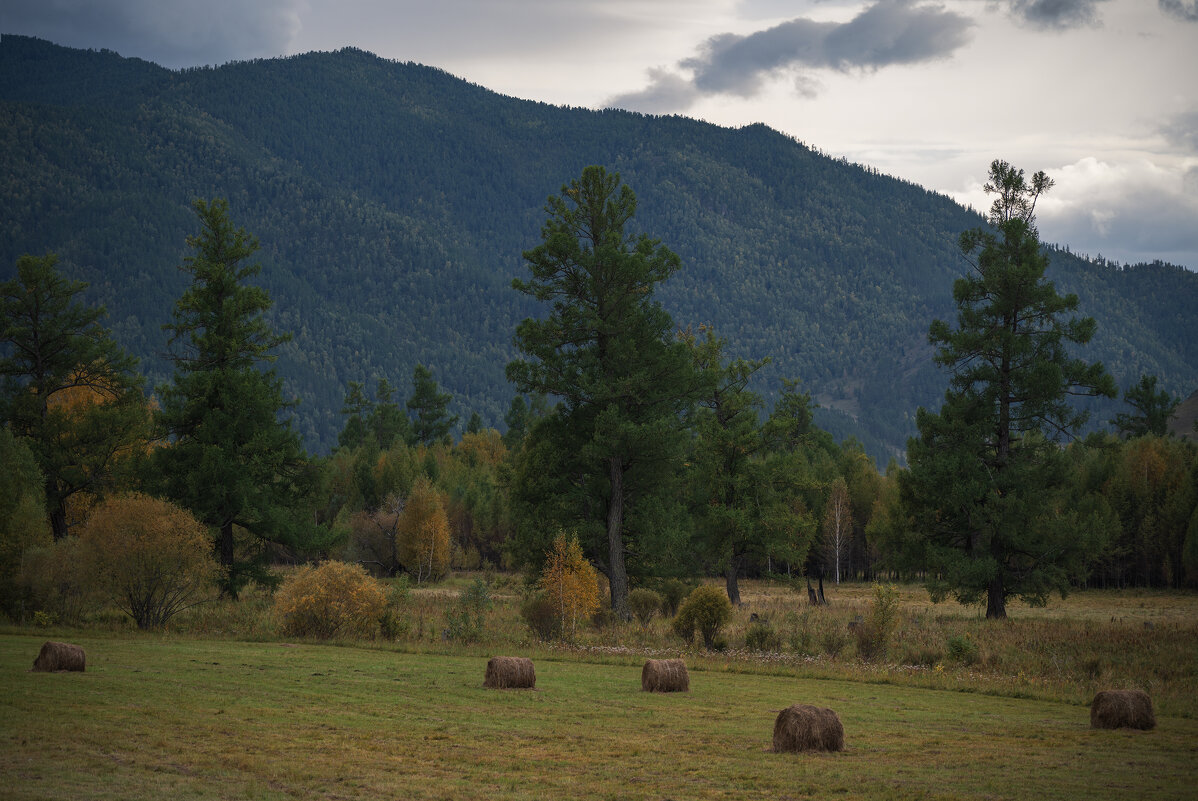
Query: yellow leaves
569	582
424	532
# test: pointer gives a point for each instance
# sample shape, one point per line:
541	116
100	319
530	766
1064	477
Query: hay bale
808	728
59	656
665	676
1114	709
510	672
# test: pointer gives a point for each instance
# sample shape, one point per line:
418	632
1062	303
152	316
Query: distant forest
393	203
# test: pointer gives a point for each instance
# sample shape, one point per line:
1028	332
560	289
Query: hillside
393	202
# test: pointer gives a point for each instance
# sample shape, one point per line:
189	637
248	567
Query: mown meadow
220	706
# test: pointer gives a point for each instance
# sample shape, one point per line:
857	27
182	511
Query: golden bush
333	599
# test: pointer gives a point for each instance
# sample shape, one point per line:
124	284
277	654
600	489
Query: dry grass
665	676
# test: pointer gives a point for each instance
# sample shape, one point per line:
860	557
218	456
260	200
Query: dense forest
393	203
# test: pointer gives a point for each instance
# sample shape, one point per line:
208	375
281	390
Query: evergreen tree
357	409
387	421
986	470
430	422
607	350
68	387
232	461
1153	410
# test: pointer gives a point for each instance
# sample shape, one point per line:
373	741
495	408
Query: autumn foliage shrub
333	599
707	608
644	603
570	583
151	557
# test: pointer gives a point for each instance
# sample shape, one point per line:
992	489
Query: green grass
175	717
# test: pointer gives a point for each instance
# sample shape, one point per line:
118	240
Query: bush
762	637
393	623
706	608
644	603
57	581
873	634
672	592
570	583
962	648
465	619
538	612
334	599
151	557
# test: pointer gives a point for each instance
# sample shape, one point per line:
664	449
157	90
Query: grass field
181	717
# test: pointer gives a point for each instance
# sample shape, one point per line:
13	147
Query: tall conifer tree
986	468
607	350
231	460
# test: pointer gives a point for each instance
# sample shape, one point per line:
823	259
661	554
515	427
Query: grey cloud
1057	14
167	32
1181	131
887	33
1181	9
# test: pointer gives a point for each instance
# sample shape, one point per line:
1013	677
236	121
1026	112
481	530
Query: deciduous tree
570	583
424	532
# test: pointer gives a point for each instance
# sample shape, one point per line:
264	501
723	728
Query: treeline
647	449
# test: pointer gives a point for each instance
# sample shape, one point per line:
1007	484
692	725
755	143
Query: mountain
393	202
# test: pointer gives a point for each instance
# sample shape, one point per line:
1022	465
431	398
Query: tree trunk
996	603
58	522
615	541
730	582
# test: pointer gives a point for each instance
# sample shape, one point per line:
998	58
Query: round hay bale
56	656
665	676
808	728
510	672
1115	709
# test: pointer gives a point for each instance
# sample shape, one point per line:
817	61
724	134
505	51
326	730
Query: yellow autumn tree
424	532
570	583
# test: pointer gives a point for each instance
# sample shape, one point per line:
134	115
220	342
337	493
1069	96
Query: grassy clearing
184	718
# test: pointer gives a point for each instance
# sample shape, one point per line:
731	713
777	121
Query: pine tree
56	351
607	349
986	469
231	460
430	422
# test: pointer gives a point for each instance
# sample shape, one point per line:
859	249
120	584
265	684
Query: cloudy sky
1101	94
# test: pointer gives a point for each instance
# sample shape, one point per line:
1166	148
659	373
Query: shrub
394	623
762	637
151	557
832	639
333	599
962	648
644	603
465	619
672	592
706	608
57	581
570	583
23	523
873	634
538	612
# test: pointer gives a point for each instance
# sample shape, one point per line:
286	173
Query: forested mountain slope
393	202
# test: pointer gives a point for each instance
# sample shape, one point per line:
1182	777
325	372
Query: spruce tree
231	459
986	469
427	407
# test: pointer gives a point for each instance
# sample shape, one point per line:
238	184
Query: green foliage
466	619
961	648
23	523
67	386
430	421
1153	409
986	471
58	579
644	603
673	590
231	461
707	609
761	636
607	349
873	635
333	599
